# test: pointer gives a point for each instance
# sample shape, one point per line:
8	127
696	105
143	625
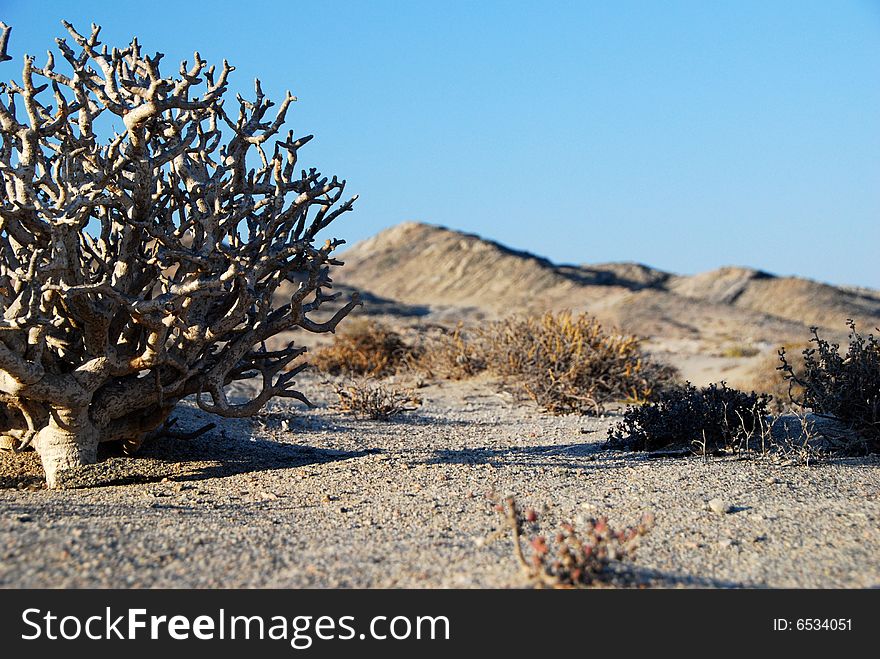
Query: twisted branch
144	266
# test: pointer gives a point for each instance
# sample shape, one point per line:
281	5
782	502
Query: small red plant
576	558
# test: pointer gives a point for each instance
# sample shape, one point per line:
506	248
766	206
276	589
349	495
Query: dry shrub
575	558
568	363
451	354
712	418
364	347
739	351
368	399
842	386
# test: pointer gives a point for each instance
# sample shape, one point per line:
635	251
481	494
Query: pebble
719	506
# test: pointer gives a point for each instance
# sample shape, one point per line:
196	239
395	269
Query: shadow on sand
214	455
571	456
661	579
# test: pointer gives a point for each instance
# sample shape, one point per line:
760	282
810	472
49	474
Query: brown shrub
451	354
739	351
368	399
568	363
563	362
364	347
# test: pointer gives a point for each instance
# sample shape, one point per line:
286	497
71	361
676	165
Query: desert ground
312	498
297	497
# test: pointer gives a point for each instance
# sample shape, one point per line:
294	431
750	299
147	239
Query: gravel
312	498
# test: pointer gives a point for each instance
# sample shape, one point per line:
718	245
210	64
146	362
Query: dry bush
712	418
845	387
568	363
450	354
368	399
739	351
576	558
798	438
364	347
768	378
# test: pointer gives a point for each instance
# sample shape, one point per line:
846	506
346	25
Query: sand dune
434	267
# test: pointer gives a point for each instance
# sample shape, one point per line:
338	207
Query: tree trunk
70	440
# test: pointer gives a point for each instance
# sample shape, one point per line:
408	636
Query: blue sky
684	135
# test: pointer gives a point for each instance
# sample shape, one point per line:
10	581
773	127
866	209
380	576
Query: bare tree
141	268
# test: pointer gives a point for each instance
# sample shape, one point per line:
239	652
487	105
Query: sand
297	498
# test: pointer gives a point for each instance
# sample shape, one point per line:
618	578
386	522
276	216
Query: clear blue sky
685	135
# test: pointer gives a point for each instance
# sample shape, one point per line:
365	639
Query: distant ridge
432	266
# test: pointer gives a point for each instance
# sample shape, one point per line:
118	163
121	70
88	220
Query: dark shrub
717	415
845	387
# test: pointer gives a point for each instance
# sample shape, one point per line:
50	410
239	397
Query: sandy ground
313	498
702	363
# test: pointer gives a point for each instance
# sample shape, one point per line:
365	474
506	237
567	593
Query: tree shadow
339	421
582	456
332	419
417	419
213	455
22	482
285	421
